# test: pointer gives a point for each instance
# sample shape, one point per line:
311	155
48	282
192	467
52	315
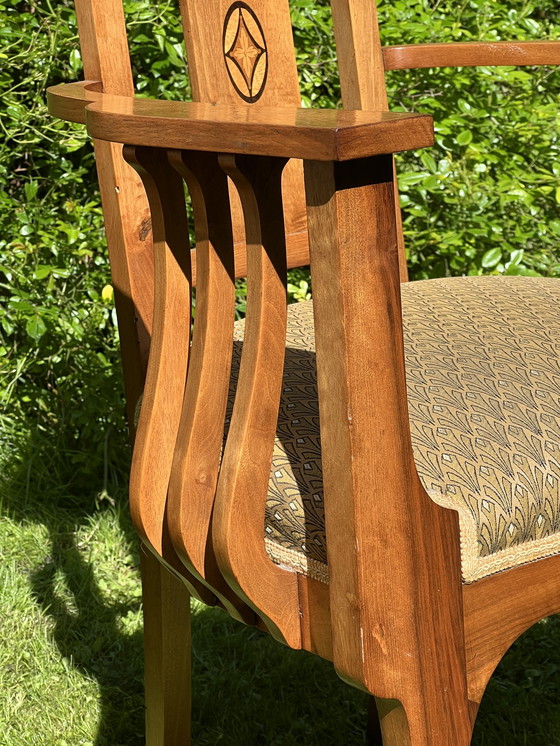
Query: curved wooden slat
238	521
167	365
163	393
196	462
472	54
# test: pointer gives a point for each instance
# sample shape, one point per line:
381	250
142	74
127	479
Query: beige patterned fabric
483	377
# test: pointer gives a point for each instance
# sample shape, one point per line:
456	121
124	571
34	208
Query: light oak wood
472	54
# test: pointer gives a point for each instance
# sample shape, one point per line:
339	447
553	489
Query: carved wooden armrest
311	134
471	54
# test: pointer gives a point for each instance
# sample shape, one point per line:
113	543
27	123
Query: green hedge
485	199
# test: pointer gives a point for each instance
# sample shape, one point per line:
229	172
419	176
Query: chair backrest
245	54
239	53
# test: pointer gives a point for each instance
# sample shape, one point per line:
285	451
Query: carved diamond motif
245	52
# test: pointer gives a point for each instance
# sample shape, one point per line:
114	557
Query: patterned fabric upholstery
483	376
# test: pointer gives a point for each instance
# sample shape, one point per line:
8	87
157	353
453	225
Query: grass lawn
71	637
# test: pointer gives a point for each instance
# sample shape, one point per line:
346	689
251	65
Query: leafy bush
484	199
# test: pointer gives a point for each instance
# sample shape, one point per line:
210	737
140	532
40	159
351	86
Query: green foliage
485	199
57	336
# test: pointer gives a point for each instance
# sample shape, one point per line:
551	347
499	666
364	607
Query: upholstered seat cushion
483	379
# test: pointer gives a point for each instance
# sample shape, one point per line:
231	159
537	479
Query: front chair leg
401	728
167	654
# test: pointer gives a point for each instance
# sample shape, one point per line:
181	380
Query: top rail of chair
471	54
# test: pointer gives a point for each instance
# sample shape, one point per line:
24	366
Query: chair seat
483	380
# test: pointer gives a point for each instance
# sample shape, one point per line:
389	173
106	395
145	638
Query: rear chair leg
167	654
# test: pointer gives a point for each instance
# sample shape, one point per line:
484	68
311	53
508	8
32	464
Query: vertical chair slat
238	523
105	56
198	450
264	30
360	58
362	75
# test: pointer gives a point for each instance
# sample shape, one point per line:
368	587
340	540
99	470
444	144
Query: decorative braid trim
474	567
298	561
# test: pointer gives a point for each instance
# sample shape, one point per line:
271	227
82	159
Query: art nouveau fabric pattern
483	380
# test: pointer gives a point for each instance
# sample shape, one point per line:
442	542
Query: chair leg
167	653
400	729
373	731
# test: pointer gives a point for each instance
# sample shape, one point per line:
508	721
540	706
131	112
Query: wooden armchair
406	528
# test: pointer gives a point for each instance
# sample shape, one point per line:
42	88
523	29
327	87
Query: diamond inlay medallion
245	52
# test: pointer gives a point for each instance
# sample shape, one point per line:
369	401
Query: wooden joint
258	180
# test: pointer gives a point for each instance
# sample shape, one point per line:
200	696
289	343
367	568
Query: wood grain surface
472	54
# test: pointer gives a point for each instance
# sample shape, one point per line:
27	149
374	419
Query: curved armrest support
312	134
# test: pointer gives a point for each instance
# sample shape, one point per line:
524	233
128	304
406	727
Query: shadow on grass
248	689
47	488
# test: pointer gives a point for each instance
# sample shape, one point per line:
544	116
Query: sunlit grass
71	647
